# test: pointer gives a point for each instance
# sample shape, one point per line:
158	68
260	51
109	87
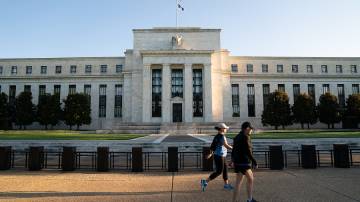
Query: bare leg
236	193
250	182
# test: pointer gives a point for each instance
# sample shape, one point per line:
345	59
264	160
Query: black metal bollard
36	158
341	156
308	156
173	159
207	163
276	157
137	159
68	159
102	159
5	158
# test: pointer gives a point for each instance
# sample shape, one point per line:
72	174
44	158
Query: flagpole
177	10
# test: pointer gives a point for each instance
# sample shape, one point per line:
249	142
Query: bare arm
226	144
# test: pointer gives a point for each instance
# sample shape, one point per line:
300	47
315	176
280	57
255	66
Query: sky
78	28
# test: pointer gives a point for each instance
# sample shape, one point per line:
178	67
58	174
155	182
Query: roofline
292	58
176	29
61	58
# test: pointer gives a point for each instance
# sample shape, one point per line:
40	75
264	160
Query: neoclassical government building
179	75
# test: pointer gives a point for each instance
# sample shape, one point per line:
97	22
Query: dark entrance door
177	112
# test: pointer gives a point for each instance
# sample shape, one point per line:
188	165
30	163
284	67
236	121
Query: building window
103	68
73	69
326	88
27	88
58	69
251	100
324	69
102	101
72	89
341	95
235	100
234	67
197	93
280	68
14	70
281	87
28	69
309	69
176	83
266	94
57	90
249	68
12	95
295	68
87	69
118	100
355	88
311	92
265	68
1	69
339	69
42	91
43	69
296	91
353	68
156	92
119	68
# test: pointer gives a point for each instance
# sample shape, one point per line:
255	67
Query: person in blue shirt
220	151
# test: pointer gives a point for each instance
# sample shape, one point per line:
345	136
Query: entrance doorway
177	112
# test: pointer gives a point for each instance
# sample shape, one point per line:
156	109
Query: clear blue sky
69	28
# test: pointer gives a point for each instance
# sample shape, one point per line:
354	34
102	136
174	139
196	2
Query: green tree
25	110
328	110
77	110
277	112
352	113
304	110
49	110
4	112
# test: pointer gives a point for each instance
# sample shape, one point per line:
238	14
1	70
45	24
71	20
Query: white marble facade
186	49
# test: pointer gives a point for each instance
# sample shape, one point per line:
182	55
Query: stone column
207	86
127	97
188	92
166	93
146	101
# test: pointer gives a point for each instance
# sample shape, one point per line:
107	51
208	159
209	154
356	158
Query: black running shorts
241	168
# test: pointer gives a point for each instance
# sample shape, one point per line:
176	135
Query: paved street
325	184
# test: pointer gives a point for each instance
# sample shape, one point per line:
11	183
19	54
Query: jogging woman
220	152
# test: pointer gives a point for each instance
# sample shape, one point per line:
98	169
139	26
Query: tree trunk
46	127
328	125
77	127
302	125
332	125
308	125
283	127
276	127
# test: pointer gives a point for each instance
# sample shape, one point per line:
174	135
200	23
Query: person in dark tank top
243	160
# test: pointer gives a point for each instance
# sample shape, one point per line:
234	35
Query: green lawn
302	134
62	135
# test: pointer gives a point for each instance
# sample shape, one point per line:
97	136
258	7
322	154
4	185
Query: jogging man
220	152
243	160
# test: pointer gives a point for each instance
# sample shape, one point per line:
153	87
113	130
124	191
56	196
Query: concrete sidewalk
324	184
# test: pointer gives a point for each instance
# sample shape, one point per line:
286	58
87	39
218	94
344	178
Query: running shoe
203	184
228	187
